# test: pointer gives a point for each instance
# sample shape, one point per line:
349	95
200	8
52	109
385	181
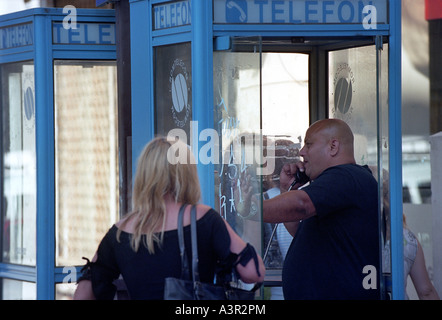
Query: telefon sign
173	14
369	13
84	33
70	31
16	36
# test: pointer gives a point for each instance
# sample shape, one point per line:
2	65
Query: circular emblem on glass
343	83
179	90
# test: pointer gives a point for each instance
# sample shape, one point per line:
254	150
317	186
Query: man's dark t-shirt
330	250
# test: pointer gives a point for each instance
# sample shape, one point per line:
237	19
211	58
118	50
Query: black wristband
86	271
246	255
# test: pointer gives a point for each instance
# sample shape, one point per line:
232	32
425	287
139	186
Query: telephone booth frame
203	36
154	24
40	36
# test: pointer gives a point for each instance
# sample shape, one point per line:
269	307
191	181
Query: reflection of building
86	154
87	171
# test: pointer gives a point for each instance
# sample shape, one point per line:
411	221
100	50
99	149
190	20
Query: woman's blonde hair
159	173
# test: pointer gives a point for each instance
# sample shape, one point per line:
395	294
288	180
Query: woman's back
143	247
144	273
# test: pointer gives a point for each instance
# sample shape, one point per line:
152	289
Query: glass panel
353	98
18	290
237	119
358	94
173	88
285	95
86	155
18	163
65	291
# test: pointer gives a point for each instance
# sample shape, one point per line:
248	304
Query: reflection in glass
86	157
65	291
358	94
285	114
18	290
18	163
352	96
237	119
261	110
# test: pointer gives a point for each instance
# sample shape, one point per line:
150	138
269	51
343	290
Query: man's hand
287	175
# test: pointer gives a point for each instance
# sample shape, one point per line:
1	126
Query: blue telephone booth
239	80
59	163
226	73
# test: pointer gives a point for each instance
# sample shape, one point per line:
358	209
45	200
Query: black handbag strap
196	276
184	263
185	272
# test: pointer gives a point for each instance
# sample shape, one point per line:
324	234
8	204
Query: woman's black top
144	273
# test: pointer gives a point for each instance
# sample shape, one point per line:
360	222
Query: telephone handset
300	177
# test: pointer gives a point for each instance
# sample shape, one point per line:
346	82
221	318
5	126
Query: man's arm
292	227
290	206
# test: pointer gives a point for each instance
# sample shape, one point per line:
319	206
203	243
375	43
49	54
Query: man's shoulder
346	174
351	168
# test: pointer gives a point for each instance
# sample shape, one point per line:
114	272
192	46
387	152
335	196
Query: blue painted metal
201	33
42	51
18	272
44	129
142	77
172	38
176	31
202	88
395	166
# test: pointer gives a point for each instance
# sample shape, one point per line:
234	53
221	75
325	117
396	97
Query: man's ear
334	147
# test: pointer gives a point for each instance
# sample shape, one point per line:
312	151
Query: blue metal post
141	77
202	87
44	126
395	135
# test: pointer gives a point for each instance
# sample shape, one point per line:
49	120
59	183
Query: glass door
261	113
238	123
270	90
358	94
285	114
18	170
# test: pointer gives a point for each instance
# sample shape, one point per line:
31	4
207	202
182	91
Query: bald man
334	220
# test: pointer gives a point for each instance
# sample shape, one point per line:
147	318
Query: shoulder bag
189	286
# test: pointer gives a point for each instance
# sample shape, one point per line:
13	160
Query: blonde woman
143	246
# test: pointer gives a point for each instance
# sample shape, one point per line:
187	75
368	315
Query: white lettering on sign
16	36
301	11
85	33
169	15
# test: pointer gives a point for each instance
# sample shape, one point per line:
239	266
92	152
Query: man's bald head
328	143
335	129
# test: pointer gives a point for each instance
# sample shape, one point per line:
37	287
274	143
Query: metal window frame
43	52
